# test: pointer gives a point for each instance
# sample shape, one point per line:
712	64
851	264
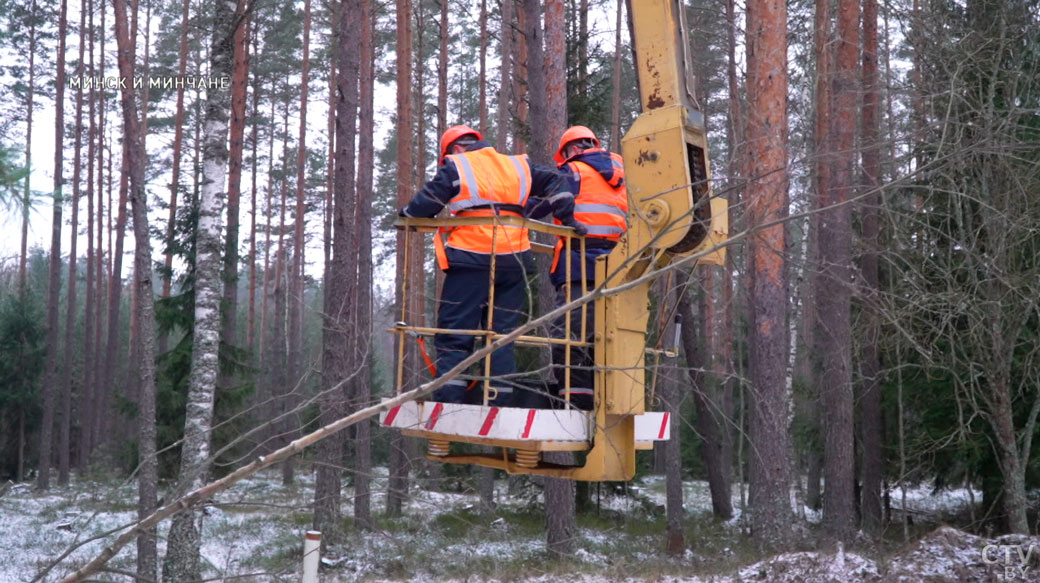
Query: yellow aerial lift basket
672	214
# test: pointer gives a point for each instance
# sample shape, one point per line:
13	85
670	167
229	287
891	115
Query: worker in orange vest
597	177
474	180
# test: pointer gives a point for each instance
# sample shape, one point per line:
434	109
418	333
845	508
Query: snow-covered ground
254	532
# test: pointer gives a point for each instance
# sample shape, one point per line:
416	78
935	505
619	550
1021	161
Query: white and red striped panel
511	423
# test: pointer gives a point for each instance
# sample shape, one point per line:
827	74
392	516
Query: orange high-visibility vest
489	183
600	205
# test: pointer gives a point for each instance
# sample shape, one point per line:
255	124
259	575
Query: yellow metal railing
416	227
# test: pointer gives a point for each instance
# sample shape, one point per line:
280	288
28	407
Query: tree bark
736	165
482	82
178	140
96	357
366	153
280	337
64	439
505	40
53	373
182	557
615	89
767	203
146	431
521	79
296	277
338	361
872	426
671	400
559	493
400	458
709	409
237	127
26	193
834	298
254	142
86	400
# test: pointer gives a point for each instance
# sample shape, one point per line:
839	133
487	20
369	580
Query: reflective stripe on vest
494	179
488	179
602	208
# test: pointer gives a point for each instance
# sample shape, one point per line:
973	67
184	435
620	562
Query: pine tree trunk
767	203
182	558
400	455
482	80
834	297
536	77
53	370
64	439
559	493
870	398
615	89
178	140
254	142
330	176
115	292
237	127
269	202
505	56
708	409
97	360
26	200
341	274
296	295
279	329
364	331
148	472
85	403
671	400
521	79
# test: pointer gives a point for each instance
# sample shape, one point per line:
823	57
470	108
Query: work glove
579	229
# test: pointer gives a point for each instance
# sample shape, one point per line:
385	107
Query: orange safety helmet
573	133
453	133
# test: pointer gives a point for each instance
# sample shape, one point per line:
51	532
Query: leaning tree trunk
182	556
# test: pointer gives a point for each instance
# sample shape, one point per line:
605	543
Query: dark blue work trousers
464	306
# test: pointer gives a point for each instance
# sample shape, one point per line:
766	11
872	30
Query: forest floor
254	533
